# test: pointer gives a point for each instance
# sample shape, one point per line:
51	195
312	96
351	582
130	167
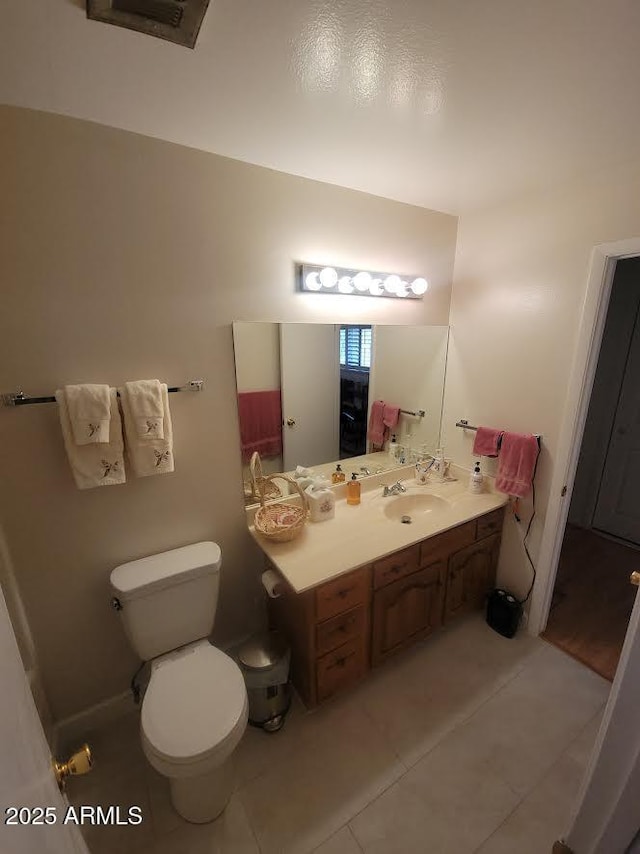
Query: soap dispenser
338	475
475	481
353	490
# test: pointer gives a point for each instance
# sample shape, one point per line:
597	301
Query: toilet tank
169	599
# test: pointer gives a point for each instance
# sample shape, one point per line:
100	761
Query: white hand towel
148	456
89	408
147	408
95	464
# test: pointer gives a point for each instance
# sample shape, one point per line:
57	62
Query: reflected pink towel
260	416
487	442
390	416
517	463
375	433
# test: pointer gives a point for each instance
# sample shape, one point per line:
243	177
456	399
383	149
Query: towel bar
19	398
466	426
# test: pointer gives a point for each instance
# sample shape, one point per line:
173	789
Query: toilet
195	708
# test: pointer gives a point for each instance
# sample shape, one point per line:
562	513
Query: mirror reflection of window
355	347
355	363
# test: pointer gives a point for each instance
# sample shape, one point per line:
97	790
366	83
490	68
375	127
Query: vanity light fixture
336	280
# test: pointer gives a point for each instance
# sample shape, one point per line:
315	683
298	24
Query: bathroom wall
409	370
519	284
125	257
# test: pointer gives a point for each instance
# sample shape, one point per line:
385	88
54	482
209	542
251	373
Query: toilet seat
194	710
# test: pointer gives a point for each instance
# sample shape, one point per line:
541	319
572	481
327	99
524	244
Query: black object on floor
504	612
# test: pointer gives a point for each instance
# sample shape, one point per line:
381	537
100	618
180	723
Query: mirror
305	392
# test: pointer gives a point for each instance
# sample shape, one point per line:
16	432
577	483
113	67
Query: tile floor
468	742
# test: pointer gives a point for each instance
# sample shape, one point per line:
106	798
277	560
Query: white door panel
618	507
310	393
27	779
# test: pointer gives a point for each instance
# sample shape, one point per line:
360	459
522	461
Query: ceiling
447	104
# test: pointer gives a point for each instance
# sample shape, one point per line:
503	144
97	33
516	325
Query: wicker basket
260	486
280	521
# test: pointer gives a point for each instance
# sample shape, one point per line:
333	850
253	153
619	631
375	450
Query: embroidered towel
148	456
94	464
375	433
89	408
147	409
517	463
487	442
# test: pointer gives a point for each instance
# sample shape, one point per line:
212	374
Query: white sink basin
413	505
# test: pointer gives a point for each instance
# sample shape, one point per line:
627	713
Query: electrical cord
524	539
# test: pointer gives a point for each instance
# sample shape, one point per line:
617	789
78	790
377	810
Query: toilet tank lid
139	577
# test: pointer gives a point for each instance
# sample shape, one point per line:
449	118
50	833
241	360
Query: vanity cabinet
341	628
329	631
407	610
470	576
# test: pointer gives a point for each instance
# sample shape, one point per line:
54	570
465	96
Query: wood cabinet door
407	610
470	576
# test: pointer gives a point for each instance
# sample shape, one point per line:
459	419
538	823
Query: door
606	819
470	576
27	778
618	506
407	610
310	393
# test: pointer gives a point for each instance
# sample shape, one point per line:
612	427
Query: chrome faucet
396	489
365	469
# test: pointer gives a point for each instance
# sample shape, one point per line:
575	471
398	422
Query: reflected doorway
355	351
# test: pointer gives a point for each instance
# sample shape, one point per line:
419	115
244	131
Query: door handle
291	422
80	763
635	578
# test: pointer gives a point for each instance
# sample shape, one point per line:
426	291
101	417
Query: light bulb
362	281
311	282
392	283
328	277
376	288
344	285
419	286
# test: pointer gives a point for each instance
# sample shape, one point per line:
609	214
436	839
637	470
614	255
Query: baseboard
70	732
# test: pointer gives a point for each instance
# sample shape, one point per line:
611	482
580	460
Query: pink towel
517	463
487	442
260	415
375	433
390	416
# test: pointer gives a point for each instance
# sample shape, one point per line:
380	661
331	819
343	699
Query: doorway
592	598
355	350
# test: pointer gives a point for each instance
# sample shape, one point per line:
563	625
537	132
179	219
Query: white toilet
195	707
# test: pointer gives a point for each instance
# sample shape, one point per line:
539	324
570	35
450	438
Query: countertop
363	533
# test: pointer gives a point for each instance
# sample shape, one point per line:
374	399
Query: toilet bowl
195	708
194	714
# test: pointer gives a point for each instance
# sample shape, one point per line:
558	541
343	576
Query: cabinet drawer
395	566
338	630
491	523
441	546
341	595
340	668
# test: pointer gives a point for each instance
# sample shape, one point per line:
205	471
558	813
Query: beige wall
409	371
520	280
125	257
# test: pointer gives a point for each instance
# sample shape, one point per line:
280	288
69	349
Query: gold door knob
635	578
80	762
291	422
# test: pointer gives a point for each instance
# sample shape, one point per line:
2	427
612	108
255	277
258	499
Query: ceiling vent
174	20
